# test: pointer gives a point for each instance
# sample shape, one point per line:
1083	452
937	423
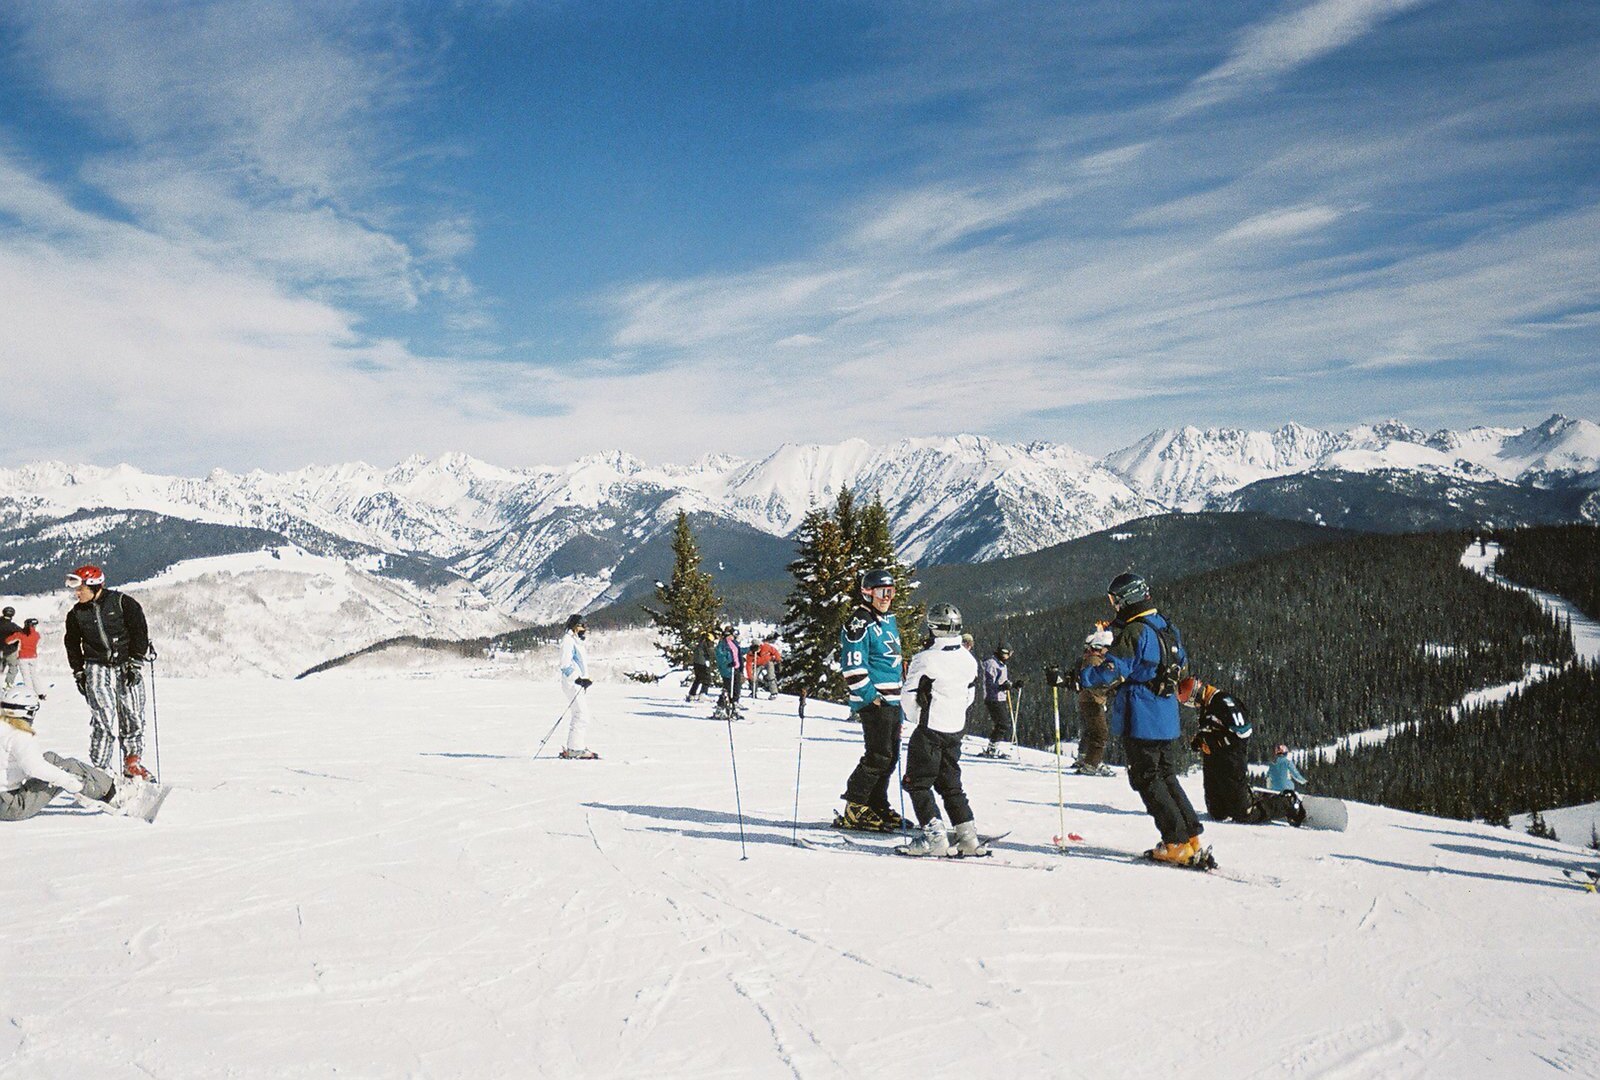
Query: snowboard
1321	811
143	801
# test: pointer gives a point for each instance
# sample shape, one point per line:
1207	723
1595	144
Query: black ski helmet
1128	589
876	579
1002	651
944	620
574	621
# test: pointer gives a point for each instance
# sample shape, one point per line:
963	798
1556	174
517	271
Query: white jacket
574	658
22	760
953	672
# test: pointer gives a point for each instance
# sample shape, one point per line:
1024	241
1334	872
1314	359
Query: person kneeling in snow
1222	742
30	777
943	679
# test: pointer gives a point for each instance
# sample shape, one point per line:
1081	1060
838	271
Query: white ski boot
933	841
967	843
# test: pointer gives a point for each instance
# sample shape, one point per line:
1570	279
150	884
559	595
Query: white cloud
1280	45
1280	224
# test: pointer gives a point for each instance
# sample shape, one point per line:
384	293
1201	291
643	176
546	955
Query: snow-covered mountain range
540	541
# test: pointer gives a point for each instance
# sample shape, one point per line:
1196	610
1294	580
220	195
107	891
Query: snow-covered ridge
544	539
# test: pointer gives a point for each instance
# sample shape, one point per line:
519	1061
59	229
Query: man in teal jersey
869	659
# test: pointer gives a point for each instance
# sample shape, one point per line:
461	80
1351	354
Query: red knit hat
86	574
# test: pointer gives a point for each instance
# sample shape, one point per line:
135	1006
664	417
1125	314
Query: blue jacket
1282	775
727	658
996	679
1132	661
869	658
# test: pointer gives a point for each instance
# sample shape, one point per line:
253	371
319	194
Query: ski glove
132	672
82	679
585	683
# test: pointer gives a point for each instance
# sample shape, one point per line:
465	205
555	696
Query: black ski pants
933	763
999	720
880	734
1151	774
702	681
1228	793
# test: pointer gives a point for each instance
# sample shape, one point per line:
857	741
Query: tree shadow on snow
701	817
1477	874
731	837
1092	808
475	757
1554	860
1512	840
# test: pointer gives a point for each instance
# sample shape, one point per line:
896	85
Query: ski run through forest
367	873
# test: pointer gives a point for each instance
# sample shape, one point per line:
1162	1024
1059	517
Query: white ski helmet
1100	639
20	703
944	620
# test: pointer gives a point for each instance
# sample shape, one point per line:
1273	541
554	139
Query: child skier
997	687
943	679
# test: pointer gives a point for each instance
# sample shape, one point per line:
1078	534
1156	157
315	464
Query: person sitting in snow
943	680
30	776
1282	774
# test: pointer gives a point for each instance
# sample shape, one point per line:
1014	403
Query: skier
1222	741
730	665
29	778
1092	710
27	642
869	660
1282	774
107	642
997	686
575	683
1147	657
943	678
9	650
702	661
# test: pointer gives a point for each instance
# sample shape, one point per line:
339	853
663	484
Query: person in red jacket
26	643
766	670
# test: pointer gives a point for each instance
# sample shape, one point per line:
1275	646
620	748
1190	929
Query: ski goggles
882	592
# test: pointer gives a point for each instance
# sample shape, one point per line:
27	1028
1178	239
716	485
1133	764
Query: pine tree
687	604
1540	828
818	604
1594	838
874	549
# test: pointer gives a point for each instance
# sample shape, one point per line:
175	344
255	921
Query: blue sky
267	234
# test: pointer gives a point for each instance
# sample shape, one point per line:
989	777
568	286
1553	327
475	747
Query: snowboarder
27	642
702	661
1223	742
730	665
29	777
869	660
1282	774
1092	710
575	683
107	642
997	686
943	678
1146	658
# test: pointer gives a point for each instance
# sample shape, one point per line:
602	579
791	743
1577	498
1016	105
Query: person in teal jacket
869	660
1281	774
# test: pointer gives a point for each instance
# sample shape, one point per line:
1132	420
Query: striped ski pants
116	710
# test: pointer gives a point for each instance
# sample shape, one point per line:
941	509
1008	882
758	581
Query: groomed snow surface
369	876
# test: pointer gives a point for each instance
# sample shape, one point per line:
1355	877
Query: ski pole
799	756
1061	798
155	716
737	802
557	724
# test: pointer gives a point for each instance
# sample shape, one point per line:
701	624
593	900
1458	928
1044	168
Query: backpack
1169	669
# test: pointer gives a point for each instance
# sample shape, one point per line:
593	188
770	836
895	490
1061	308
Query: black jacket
106	630
7	628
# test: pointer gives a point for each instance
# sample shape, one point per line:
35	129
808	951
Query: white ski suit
575	666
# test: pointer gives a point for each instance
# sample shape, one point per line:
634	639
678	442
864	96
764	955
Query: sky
266	234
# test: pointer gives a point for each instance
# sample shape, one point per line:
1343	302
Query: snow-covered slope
370	877
277	612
